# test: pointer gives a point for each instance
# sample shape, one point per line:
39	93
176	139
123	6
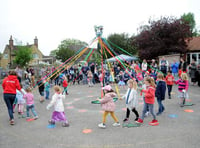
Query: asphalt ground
177	128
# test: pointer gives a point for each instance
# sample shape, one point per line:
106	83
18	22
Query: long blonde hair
151	81
184	76
133	82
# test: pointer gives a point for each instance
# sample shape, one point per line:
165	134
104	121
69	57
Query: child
160	93
57	102
170	82
90	77
47	89
30	103
65	84
149	99
121	79
108	106
41	89
182	88
131	99
20	100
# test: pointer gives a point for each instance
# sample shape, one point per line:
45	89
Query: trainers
12	122
36	117
116	124
102	125
65	125
125	120
158	113
139	121
154	121
136	119
51	122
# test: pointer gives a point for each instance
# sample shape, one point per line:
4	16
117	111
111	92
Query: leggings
133	110
111	113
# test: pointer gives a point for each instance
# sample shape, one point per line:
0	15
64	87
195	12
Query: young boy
170	82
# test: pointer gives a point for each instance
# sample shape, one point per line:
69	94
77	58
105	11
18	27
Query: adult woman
10	84
193	72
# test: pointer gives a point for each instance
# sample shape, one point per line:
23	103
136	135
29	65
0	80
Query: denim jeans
32	108
47	94
169	87
9	100
151	109
161	107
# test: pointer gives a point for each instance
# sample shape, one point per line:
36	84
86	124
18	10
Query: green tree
123	41
53	53
189	18
23	56
67	48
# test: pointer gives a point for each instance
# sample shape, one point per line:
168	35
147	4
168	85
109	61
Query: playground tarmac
177	128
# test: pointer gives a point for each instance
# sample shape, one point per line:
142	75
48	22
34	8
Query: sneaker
125	120
153	121
12	122
51	122
158	113
36	117
116	124
102	125
65	125
136	119
139	121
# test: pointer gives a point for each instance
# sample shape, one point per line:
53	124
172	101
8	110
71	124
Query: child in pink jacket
108	106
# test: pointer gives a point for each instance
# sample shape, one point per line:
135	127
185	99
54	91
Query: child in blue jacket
160	93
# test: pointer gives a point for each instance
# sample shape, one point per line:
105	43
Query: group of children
150	89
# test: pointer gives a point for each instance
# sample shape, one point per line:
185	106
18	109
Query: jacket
149	94
65	84
170	80
107	103
182	85
10	84
132	100
57	102
160	90
29	98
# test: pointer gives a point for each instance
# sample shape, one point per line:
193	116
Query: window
5	56
188	59
35	56
194	56
199	59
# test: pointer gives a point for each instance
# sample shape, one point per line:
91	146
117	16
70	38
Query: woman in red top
149	100
170	82
10	84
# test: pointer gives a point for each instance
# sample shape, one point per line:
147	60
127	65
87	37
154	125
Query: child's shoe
102	125
65	125
116	124
12	122
153	121
36	117
125	120
136	119
139	121
51	122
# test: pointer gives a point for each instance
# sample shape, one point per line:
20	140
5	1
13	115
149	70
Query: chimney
11	42
36	42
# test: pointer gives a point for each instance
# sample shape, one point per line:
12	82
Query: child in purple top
182	88
30	103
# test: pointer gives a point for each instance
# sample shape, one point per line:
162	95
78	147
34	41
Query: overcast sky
55	20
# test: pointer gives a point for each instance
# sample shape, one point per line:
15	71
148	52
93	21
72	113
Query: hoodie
10	84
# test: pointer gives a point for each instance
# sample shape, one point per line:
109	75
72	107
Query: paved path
182	131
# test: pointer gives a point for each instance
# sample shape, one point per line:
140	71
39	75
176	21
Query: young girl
131	99
65	85
149	100
121	82
108	106
90	77
47	89
57	102
20	100
170	82
182	88
160	93
30	103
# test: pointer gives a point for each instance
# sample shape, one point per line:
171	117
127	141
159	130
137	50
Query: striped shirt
182	84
